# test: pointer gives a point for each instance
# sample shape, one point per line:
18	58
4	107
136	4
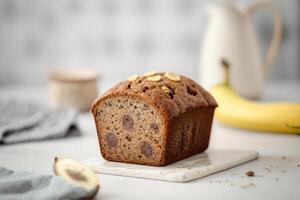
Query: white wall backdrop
121	37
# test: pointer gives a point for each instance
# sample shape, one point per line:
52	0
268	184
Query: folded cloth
26	185
22	121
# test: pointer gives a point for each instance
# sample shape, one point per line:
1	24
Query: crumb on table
250	173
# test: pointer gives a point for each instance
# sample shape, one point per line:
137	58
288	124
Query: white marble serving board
195	167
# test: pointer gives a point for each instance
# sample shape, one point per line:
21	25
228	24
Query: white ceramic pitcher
230	37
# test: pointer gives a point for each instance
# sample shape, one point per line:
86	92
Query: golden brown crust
187	94
189	134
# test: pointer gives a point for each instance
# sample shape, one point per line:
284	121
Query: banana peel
238	112
233	110
77	175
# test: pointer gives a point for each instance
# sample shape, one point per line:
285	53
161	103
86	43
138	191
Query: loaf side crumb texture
129	131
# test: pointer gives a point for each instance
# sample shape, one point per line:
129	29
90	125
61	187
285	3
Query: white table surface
276	177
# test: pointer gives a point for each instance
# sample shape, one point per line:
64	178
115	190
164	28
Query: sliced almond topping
150	73
172	76
154	78
133	77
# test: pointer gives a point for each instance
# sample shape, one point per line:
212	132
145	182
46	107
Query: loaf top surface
171	93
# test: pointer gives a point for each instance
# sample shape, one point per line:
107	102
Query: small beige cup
75	88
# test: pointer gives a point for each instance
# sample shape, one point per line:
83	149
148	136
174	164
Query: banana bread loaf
154	119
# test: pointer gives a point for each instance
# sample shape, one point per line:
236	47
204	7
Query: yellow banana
242	113
236	111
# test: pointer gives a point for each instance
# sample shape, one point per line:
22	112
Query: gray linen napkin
26	185
22	121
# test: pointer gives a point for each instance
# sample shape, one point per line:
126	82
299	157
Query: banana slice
77	174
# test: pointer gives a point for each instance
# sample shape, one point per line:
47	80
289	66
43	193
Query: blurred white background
122	37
